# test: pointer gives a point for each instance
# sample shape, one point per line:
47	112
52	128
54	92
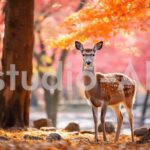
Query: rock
72	126
48	128
54	137
140	131
42	123
30	137
3	138
109	127
87	132
146	137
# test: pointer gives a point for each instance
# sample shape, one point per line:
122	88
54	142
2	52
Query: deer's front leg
103	113
95	115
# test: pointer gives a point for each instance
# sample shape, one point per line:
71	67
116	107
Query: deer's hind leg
118	113
130	116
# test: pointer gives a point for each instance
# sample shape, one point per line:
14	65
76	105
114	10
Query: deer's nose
88	62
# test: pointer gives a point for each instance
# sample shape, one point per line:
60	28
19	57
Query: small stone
109	127
30	137
146	137
87	132
72	126
3	138
48	128
54	137
140	131
42	123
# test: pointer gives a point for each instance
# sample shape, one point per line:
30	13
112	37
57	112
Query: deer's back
116	86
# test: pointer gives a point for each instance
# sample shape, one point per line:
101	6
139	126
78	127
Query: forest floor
34	139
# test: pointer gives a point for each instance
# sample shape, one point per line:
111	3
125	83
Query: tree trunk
52	99
17	50
51	103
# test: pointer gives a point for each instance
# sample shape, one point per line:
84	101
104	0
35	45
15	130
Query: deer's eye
92	54
83	55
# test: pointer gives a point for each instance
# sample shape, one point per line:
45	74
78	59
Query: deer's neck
89	79
92	92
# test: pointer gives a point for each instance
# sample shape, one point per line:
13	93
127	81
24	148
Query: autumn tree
103	19
17	50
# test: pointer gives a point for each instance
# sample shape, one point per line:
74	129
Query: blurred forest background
124	26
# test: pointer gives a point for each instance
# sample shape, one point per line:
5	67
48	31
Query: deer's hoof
96	140
105	139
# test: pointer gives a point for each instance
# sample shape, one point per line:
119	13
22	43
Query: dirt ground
41	140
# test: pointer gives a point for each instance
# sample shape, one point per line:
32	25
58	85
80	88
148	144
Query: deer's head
88	54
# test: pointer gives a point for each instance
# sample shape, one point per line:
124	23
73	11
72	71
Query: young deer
108	90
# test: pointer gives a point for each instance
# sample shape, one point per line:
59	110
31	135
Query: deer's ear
98	46
78	46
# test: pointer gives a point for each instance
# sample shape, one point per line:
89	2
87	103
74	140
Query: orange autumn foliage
103	19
